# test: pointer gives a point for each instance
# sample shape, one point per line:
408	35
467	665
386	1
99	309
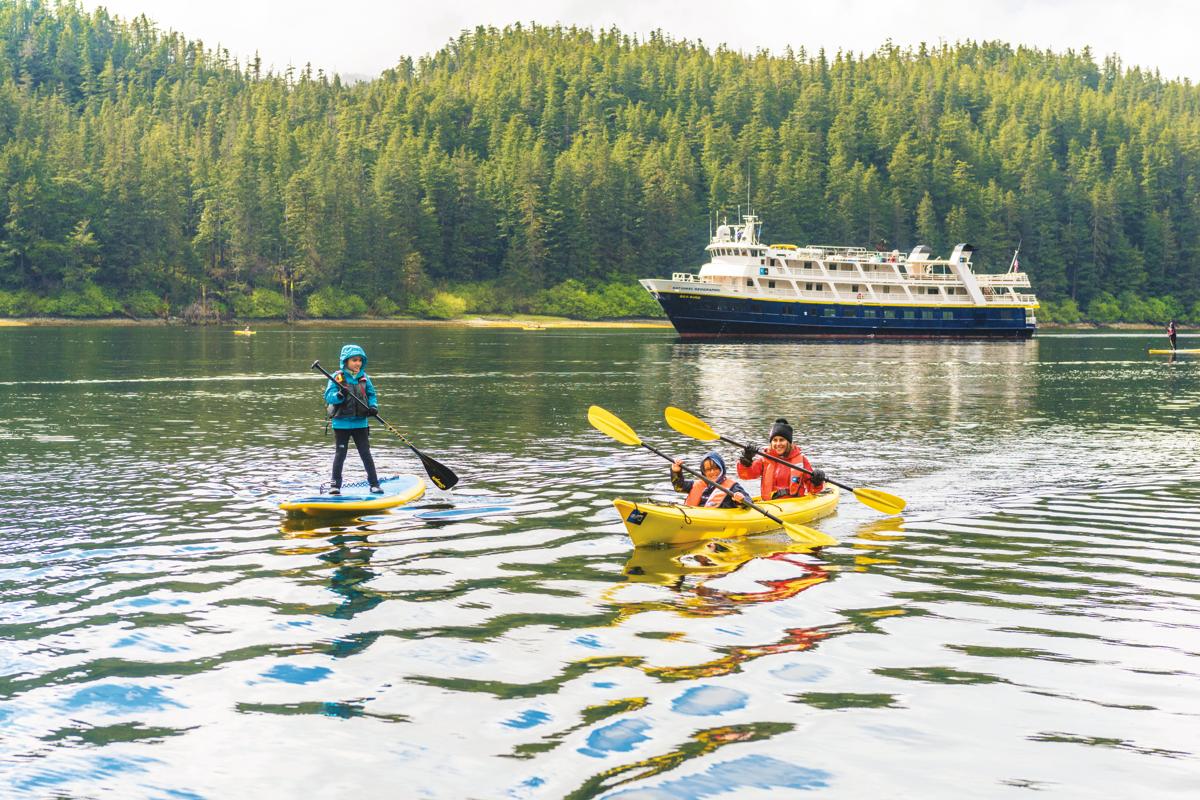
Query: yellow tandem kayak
652	523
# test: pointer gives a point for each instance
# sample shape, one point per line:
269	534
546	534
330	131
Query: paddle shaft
716	485
786	463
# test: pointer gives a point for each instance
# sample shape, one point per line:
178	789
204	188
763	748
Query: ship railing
1005	279
1010	299
824	251
869	276
687	277
891	279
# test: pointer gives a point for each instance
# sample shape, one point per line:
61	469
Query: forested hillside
545	169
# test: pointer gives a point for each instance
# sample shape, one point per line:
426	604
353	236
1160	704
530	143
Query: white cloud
366	36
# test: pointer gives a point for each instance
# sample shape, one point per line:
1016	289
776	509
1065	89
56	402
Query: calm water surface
1031	624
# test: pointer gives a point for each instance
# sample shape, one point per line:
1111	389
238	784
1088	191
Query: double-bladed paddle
442	476
697	428
611	425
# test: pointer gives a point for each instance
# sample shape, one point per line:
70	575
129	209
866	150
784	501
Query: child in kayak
778	480
700	493
349	419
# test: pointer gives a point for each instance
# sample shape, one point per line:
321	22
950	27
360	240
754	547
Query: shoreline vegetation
529	322
543	170
607	303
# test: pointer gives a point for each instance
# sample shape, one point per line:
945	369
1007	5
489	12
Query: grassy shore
520	321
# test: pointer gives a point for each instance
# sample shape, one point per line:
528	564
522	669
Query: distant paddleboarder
1171	333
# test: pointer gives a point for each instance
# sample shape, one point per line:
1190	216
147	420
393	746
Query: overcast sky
364	37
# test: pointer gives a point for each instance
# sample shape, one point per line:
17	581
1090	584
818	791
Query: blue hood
714	457
350	351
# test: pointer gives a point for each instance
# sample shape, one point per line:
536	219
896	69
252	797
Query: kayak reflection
689	569
671	566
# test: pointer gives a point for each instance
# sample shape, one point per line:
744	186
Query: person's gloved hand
343	395
748	454
818	476
372	411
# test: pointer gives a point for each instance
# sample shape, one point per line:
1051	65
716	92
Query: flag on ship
1015	266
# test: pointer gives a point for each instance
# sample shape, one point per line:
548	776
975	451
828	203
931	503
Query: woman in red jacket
778	480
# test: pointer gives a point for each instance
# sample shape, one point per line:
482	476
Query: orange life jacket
715	499
773	473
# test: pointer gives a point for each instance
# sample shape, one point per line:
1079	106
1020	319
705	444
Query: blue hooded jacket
331	391
685	484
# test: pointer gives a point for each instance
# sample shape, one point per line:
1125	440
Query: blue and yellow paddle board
357	498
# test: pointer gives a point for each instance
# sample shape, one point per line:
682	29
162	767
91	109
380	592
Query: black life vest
349	408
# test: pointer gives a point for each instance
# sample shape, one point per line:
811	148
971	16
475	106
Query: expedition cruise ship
751	289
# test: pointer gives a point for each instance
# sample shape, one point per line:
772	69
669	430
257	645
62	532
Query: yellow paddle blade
808	536
688	425
610	424
880	501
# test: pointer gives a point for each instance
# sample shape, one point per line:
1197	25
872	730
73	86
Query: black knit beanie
781	428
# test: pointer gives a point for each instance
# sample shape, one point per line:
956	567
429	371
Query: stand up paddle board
1180	352
463	512
357	497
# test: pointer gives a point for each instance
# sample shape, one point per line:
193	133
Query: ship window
869	313
931	290
947	315
749	282
808	287
910	315
833	266
830	311
854	287
770	284
889	313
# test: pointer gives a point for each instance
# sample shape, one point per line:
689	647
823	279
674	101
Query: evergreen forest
545	169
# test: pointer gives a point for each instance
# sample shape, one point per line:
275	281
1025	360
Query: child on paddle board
350	417
778	480
700	493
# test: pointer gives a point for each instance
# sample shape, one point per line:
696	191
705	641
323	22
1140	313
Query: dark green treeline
139	169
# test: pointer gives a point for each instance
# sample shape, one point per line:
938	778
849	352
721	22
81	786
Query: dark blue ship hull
699	315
